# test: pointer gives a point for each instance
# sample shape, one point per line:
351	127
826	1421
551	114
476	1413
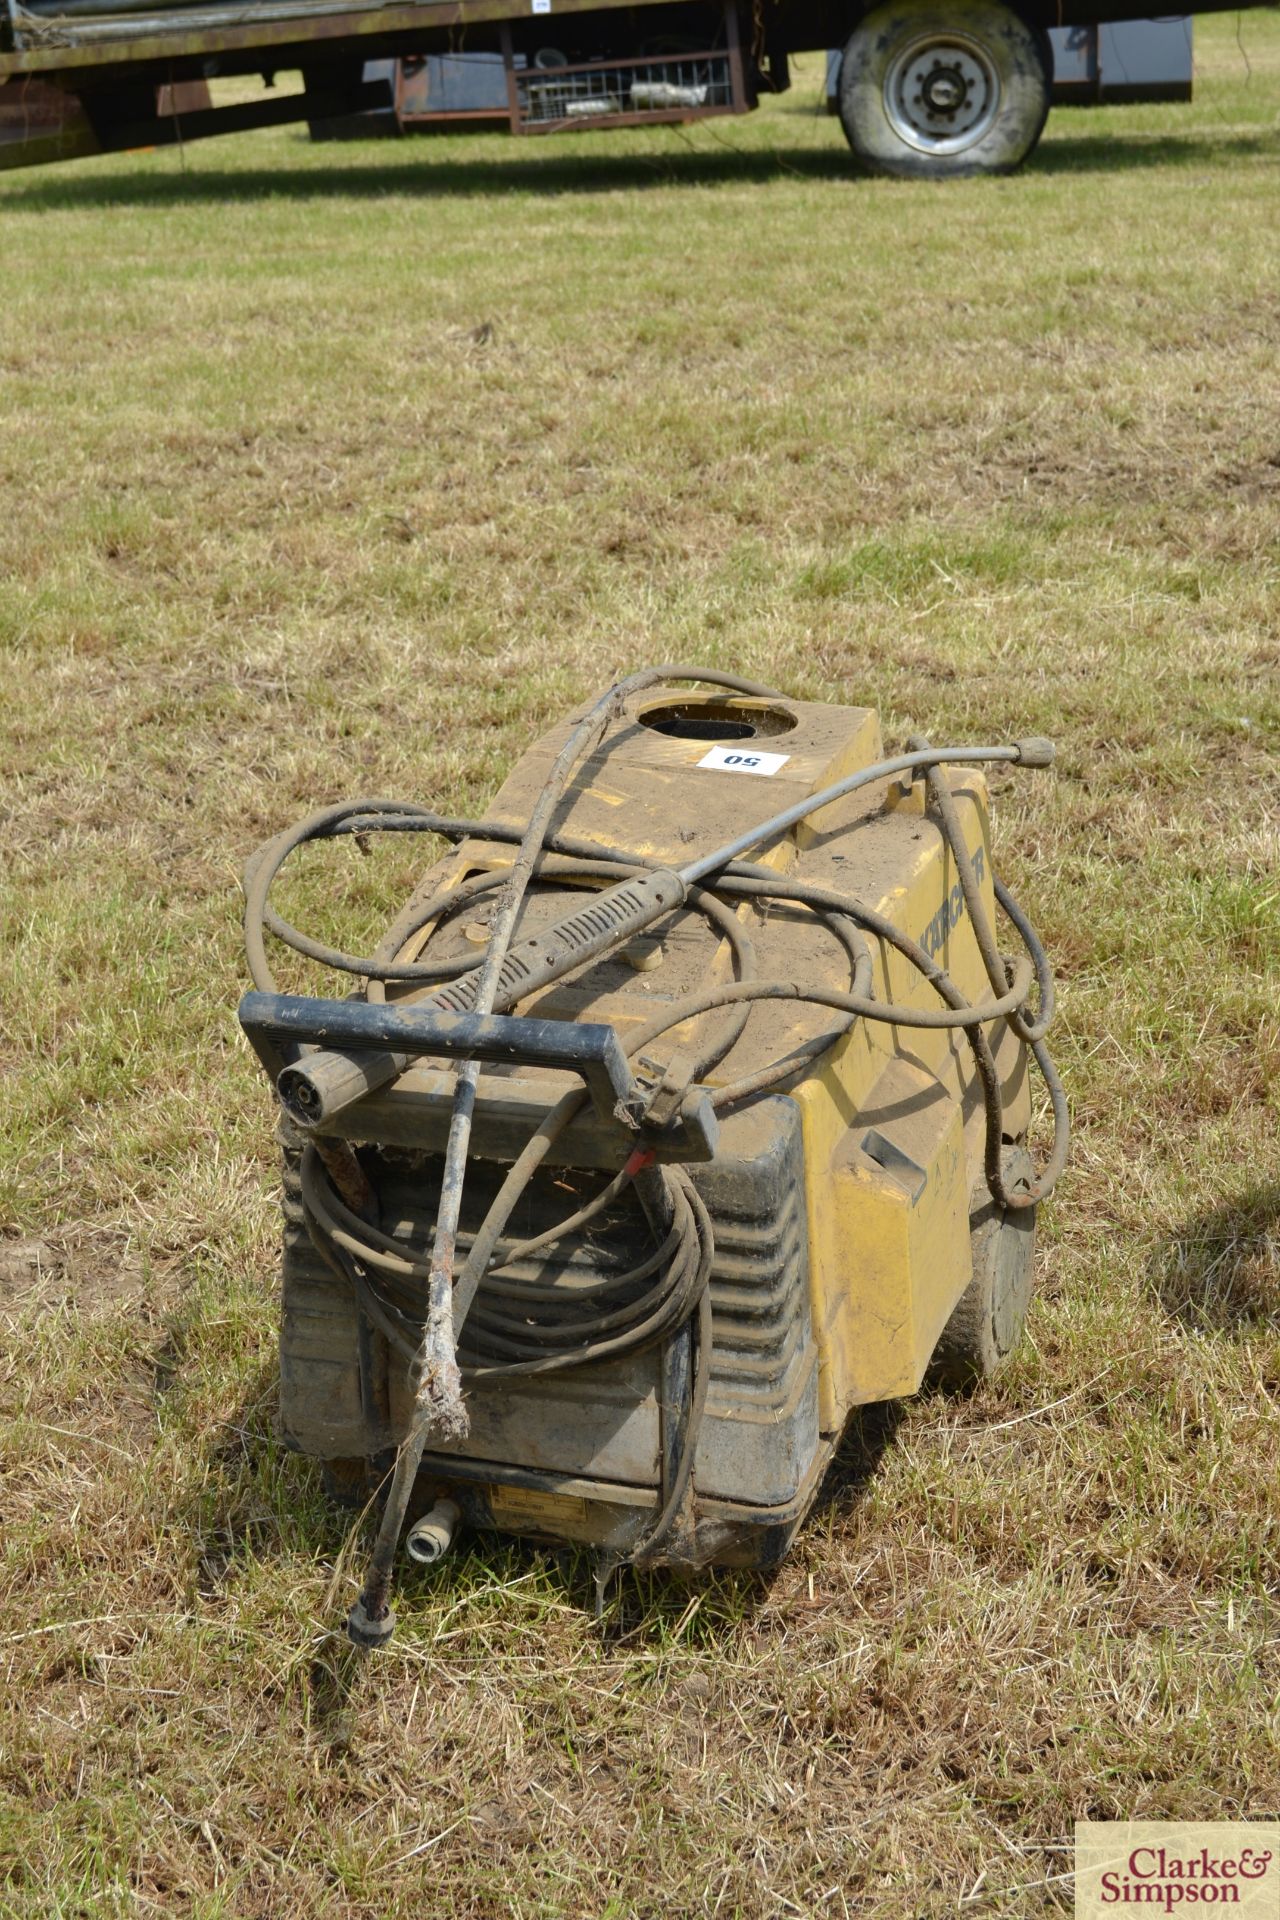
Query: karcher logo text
951	912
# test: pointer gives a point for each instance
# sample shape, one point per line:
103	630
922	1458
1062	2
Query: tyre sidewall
1015	51
987	1321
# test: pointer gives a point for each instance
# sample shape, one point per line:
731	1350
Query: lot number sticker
743	760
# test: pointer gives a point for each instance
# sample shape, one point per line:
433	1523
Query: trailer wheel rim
942	93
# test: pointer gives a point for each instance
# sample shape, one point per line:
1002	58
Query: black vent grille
759	1280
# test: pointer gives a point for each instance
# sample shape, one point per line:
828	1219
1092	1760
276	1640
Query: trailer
1127	61
932	88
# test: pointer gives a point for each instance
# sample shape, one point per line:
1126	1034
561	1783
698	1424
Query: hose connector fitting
430	1538
1035	753
363	1630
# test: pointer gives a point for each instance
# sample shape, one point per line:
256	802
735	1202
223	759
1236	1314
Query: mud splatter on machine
682	1109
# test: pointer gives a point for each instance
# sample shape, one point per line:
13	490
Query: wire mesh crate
631	92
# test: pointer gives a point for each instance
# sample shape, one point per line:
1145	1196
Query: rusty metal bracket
663	1089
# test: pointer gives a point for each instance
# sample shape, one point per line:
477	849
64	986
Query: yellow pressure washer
683	1108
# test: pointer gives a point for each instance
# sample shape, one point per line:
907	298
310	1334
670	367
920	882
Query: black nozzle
298	1096
320	1085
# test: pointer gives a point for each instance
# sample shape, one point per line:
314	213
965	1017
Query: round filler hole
716	720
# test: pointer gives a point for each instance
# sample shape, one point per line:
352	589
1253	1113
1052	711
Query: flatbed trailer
927	87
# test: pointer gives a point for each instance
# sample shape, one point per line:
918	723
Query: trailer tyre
987	1321
935	91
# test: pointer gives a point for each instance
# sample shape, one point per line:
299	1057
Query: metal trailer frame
1123	62
113	63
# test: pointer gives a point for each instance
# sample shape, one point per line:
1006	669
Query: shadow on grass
1221	1269
651	1603
257	1503
563	174
255	1500
868	1437
1125	153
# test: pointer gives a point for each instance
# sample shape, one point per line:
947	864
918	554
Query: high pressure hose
501	1316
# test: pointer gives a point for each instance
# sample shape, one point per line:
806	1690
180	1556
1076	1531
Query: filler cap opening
716	720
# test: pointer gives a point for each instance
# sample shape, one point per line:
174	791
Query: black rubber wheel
935	91
987	1321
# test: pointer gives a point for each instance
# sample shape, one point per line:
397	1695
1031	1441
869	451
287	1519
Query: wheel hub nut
944	90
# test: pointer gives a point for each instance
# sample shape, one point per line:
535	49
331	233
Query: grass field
337	470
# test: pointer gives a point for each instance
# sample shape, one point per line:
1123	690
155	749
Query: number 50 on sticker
743	760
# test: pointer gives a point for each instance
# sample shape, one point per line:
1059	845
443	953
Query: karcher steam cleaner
683	1108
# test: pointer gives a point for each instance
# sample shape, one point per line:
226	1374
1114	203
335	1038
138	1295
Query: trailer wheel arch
941	89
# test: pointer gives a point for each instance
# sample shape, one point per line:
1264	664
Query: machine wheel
930	90
987	1320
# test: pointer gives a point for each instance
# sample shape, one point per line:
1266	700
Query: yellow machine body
890	1124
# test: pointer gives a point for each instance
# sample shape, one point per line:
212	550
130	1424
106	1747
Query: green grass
330	470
